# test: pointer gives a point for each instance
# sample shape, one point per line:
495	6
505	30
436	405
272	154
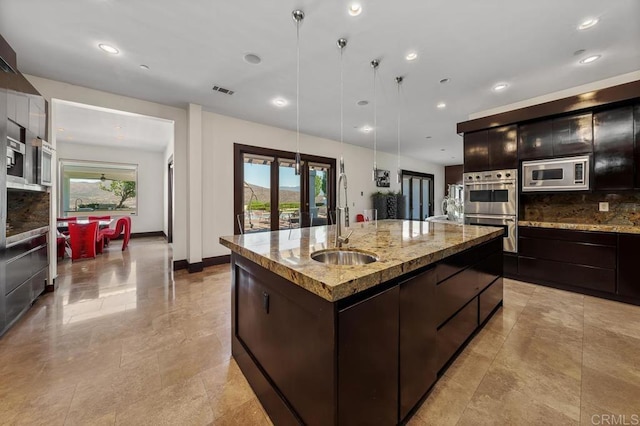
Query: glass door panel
256	214
289	195
406	190
426	207
318	195
415	199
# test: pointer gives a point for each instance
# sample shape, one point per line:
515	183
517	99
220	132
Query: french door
417	189
269	196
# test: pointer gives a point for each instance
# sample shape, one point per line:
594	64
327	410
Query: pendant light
374	65
342	43
298	16
399	82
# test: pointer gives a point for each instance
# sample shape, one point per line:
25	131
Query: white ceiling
192	45
78	123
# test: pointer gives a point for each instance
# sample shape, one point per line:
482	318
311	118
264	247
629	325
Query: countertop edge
617	229
355	286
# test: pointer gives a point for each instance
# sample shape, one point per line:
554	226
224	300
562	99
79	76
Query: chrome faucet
342	210
78	199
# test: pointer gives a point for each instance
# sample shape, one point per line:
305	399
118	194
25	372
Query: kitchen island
358	344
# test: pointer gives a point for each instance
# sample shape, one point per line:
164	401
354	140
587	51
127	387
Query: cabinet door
572	135
476	151
418	354
535	140
22	110
34	116
12	100
368	361
613	149
43	119
628	282
503	148
636	126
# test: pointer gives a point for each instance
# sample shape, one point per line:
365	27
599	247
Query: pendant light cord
399	81
341	110
298	87
375	124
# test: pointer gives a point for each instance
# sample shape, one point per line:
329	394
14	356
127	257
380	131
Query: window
90	188
417	189
270	196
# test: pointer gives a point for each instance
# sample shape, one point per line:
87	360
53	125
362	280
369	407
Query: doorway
417	189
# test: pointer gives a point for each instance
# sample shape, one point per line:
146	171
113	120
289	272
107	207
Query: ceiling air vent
222	90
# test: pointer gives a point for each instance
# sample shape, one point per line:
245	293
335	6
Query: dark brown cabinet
418	367
493	149
368	361
613	149
476	151
628	282
535	140
636	130
572	135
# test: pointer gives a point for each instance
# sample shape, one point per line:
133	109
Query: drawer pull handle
265	301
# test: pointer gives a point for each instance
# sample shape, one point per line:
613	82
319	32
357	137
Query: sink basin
343	257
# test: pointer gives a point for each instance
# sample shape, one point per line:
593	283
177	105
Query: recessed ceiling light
445	80
60	129
144	67
108	48
280	102
367	129
590	59
363	103
500	86
355	9
118	127
441	105
411	56
587	23
442	149
252	58
579	52
428	137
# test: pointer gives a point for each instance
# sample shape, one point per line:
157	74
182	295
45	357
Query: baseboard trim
199	266
147	234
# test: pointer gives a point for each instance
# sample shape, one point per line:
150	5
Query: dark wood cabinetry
535	140
493	149
636	131
613	149
418	362
370	358
572	135
628	282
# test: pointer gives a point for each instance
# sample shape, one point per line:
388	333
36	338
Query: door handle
265	301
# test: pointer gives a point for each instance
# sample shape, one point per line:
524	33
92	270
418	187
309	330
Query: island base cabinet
418	362
628	282
456	331
490	299
368	359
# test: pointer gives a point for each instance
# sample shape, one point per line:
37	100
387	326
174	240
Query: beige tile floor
125	341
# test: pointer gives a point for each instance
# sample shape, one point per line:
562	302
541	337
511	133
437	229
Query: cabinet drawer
455	332
38	283
18	271
569	274
489	299
17	301
39	258
569	251
602	238
24	246
458	262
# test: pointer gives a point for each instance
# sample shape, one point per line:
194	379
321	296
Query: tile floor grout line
66	416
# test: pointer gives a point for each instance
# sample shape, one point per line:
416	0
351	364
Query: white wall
51	89
150	174
573	91
219	133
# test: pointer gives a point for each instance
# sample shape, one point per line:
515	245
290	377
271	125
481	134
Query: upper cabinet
18	108
37	116
493	149
613	149
636	129
535	140
572	135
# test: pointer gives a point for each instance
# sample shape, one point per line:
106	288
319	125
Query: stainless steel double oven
491	199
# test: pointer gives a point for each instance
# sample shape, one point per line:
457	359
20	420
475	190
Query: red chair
359	217
67	219
99	217
61	242
123	227
84	240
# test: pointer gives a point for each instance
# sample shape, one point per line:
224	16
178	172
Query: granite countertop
596	227
19	234
401	246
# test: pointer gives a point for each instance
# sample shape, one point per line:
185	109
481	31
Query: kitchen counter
401	246
619	229
18	234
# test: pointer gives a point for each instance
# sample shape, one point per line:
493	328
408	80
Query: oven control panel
493	176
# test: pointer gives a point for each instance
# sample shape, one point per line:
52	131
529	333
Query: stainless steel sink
343	257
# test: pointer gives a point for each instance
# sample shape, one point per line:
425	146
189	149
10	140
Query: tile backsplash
624	208
26	210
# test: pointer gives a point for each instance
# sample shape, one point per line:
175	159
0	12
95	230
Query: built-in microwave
556	174
43	162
